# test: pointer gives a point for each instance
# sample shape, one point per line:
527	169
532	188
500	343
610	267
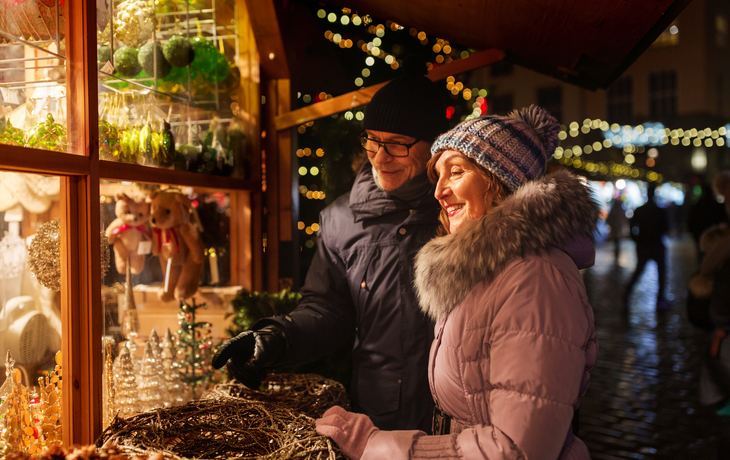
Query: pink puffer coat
515	339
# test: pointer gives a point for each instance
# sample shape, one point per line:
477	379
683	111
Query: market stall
143	146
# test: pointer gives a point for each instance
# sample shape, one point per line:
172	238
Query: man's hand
250	354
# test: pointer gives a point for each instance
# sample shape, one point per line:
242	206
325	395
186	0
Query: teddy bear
127	231
177	242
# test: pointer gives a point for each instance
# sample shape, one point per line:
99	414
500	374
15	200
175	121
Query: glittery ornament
103	36
47	135
10	135
44	256
109	141
206	55
49	411
134	22
105	256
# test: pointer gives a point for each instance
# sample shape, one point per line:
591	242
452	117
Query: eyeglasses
394	149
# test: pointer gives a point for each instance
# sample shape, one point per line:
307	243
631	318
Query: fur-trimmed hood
542	214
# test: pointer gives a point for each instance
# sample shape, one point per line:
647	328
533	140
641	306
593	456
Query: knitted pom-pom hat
409	105
514	148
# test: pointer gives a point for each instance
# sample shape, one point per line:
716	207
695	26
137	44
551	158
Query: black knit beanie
410	105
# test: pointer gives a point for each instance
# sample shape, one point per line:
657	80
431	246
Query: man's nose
381	156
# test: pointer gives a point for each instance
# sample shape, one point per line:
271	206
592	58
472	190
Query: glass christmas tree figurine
176	389
125	385
151	381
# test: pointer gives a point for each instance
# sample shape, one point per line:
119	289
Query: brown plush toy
176	241
126	232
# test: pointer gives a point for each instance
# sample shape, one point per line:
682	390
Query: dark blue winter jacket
361	283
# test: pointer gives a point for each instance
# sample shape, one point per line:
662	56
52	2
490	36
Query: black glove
250	354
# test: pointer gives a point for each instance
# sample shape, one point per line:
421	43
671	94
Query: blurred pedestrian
715	377
648	225
705	213
618	223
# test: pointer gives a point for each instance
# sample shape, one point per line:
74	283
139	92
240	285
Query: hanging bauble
11	136
33	19
206	56
178	51
147	56
44	255
47	135
104	36
221	68
103	54
109	141
134	22
125	61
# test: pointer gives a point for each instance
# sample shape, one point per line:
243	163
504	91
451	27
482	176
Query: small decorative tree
194	339
151	382
125	384
175	386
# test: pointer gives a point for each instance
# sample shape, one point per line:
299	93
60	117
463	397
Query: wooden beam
82	312
44	161
362	96
265	25
131	172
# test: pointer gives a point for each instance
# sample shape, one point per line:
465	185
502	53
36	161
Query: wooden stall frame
81	171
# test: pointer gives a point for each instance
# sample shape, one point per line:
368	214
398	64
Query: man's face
392	172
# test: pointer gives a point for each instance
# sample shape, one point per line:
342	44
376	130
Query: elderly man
360	282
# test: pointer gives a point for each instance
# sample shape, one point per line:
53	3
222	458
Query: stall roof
589	43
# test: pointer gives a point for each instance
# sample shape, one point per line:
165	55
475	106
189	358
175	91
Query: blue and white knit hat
514	148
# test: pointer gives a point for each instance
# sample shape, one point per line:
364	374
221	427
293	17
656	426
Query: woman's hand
349	430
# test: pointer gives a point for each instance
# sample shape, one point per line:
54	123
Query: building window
619	99
502	104
551	99
663	94
670	37
501	68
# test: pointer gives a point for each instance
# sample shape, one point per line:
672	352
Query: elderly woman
515	340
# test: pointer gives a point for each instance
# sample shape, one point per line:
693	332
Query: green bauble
11	135
125	61
206	56
146	58
178	51
47	135
103	54
221	68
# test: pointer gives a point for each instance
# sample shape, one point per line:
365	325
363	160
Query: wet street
642	401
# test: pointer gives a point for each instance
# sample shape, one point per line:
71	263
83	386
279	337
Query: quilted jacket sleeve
325	318
542	345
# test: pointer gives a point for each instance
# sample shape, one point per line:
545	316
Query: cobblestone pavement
642	400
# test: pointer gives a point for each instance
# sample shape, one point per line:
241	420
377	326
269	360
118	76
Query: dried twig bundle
310	394
224	428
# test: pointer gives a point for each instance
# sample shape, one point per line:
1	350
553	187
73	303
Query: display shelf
28	72
131	172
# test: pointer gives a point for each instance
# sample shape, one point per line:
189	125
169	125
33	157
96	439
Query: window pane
32	75
174	95
164	256
30	313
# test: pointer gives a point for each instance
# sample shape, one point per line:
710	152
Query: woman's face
461	189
